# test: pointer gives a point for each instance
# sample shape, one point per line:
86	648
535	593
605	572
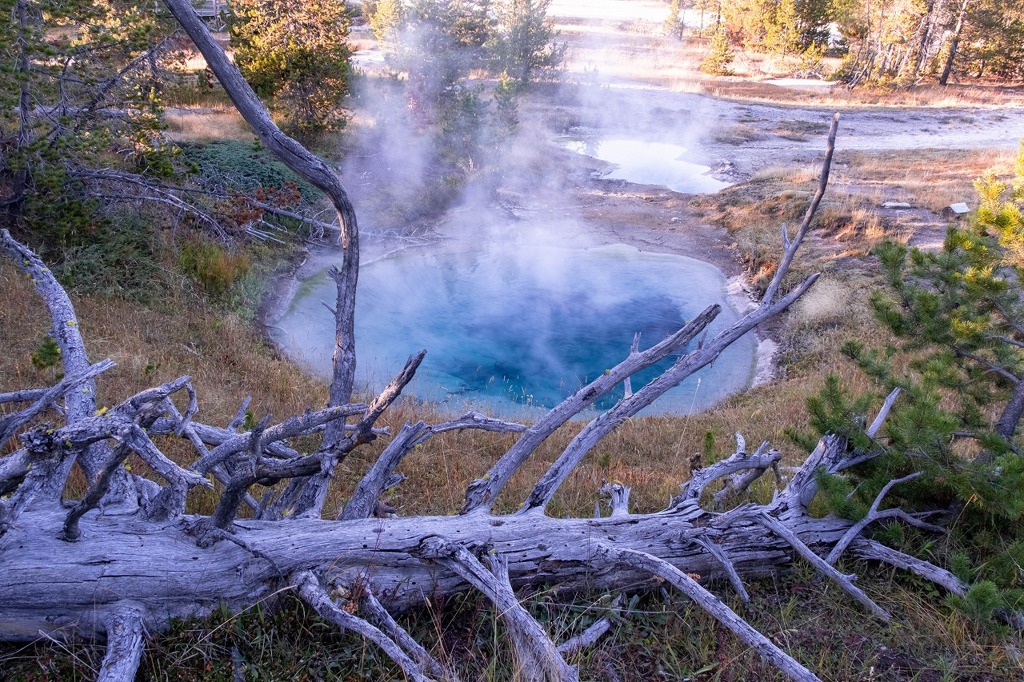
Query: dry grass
749	89
800	131
740	133
206	124
931	179
228	361
225	359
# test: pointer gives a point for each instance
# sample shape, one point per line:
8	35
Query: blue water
651	163
513	327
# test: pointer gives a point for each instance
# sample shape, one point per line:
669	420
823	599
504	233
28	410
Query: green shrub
240	166
213	268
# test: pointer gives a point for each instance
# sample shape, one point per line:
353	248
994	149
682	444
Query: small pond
512	326
650	163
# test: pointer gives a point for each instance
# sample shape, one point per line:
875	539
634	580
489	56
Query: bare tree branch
537	655
125	641
791	246
313	593
310	168
844	581
714	606
481	493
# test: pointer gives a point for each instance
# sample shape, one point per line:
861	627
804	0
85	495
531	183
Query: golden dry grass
206	124
228	361
932	179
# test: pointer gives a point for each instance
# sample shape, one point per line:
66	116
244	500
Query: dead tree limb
685	366
791	246
310	168
874	515
315	595
382	619
538	657
717	608
66	332
482	493
125	631
43	399
845	582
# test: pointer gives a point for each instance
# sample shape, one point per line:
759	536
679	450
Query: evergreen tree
80	119
719	56
294	53
782	31
674	22
966	299
523	43
960	316
992	40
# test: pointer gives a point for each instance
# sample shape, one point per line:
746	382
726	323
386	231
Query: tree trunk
954	44
933	8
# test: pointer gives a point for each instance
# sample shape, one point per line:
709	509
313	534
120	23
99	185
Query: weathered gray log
106	566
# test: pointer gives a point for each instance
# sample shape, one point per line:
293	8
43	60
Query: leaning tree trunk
75	569
954	44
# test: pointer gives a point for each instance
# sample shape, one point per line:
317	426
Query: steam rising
515	322
515	312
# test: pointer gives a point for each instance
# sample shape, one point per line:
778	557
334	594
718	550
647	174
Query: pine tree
719	56
80	106
673	23
523	44
294	53
959	315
